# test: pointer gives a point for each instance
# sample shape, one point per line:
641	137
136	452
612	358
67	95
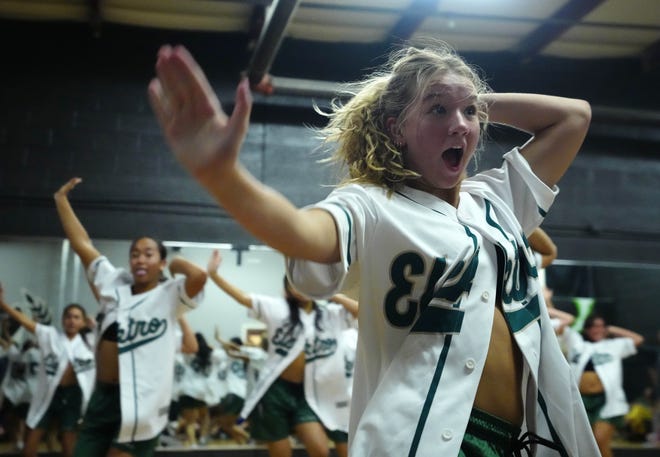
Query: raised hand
204	139
73	228
214	261
67	187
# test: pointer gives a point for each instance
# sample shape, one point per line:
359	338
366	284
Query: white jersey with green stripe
325	384
427	274
606	356
146	342
57	352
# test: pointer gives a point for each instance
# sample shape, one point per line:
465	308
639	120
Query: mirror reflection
41	276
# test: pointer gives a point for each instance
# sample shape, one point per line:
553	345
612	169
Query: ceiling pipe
328	90
278	17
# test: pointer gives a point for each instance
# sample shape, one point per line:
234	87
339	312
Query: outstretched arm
189	344
620	332
540	242
207	142
565	319
559	126
347	302
73	228
195	276
232	349
21	318
231	290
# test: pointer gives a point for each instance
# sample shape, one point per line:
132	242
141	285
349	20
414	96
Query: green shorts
187	402
487	436
281	408
100	427
64	409
231	404
594	403
19	410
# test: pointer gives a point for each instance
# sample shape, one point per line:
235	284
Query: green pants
100	427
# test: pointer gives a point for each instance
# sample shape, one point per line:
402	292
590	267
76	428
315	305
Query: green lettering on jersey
446	318
51	364
285	337
406	264
517	275
320	348
140	332
520	318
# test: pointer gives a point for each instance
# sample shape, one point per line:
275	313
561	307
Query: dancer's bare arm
207	143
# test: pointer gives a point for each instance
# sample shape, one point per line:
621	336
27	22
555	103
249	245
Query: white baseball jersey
220	378
606	356
32	360
257	360
146	342
15	387
180	367
349	345
193	382
427	272
236	377
57	352
325	385
208	385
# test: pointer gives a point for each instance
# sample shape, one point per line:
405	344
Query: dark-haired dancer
65	377
135	342
302	388
596	356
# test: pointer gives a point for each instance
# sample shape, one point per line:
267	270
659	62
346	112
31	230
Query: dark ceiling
606	51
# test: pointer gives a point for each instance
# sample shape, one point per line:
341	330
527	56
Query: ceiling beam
278	16
411	18
565	17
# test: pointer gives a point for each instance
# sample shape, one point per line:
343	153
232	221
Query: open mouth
452	157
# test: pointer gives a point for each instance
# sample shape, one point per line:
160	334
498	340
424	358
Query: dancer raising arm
136	339
65	378
456	352
302	387
596	356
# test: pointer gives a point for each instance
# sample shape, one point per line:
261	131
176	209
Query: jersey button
470	364
484	297
446	434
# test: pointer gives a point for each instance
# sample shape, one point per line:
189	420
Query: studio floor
231	449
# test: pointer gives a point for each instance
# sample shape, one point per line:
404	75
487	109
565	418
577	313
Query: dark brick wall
77	106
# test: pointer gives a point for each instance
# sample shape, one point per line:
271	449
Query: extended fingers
240	117
173	84
203	93
214	261
158	102
183	88
71	183
66	187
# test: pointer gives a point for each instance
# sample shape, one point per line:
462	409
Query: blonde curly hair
357	130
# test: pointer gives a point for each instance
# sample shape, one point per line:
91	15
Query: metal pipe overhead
277	19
